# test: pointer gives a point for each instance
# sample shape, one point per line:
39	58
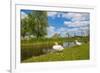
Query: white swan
78	43
57	47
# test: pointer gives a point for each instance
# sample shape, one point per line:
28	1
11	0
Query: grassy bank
73	53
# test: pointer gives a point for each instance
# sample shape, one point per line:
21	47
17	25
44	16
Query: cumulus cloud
84	28
63	31
67	15
51	31
77	19
51	28
67	23
54	14
76	23
74	16
73	30
51	13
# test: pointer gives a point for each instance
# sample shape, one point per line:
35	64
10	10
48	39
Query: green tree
37	21
24	27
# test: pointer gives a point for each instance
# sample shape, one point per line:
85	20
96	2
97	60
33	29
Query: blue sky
65	22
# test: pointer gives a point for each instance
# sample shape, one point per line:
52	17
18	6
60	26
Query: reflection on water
68	44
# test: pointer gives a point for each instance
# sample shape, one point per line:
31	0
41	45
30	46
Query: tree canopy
35	24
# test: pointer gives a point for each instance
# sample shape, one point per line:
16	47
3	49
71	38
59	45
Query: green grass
73	53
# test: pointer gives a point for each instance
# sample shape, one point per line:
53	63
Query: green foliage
35	24
24	27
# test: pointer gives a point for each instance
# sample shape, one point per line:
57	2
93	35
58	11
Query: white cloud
23	15
52	13
75	16
84	28
51	28
63	31
79	23
77	19
76	23
73	30
68	15
67	23
78	31
51	31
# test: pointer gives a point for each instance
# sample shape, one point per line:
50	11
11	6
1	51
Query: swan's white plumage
78	43
58	47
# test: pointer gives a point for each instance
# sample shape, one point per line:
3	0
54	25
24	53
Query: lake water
68	44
